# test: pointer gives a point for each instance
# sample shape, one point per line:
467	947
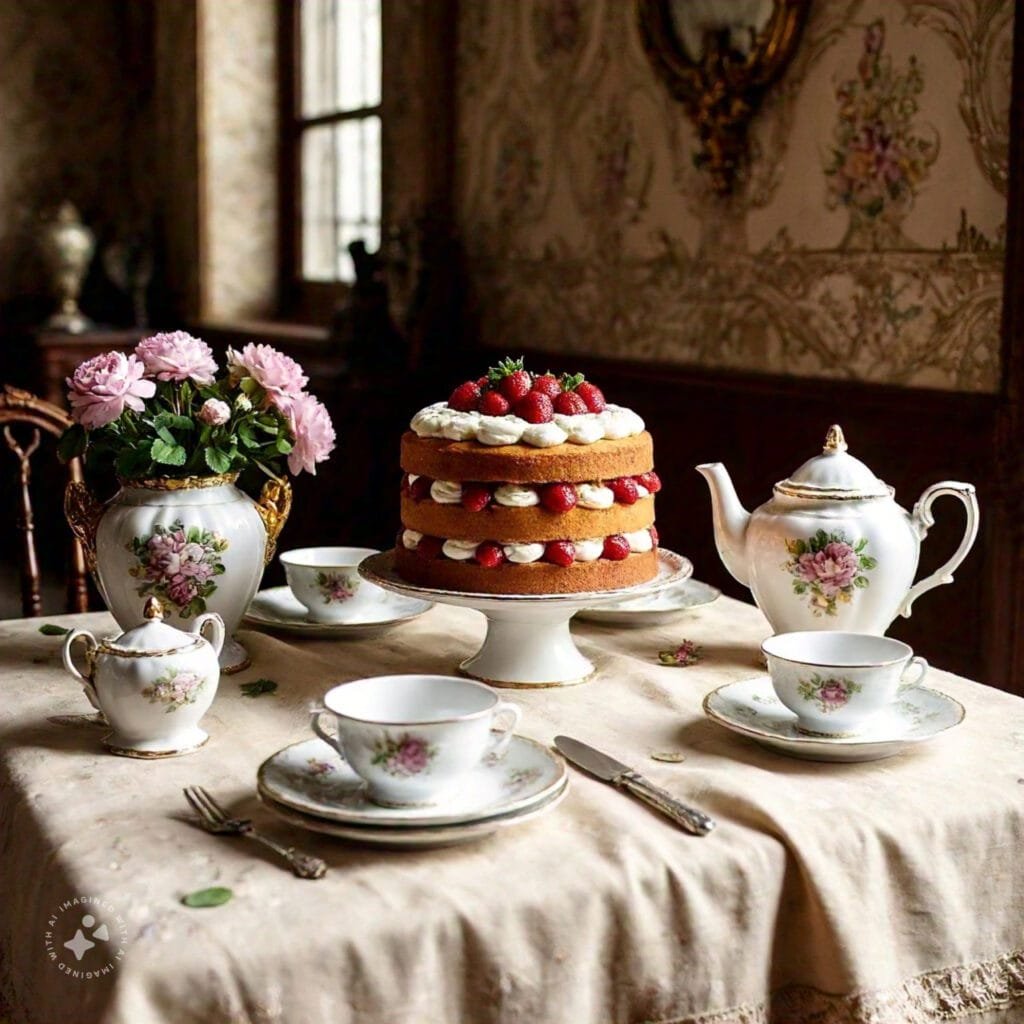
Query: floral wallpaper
866	240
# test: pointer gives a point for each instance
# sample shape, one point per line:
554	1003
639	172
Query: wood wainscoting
764	427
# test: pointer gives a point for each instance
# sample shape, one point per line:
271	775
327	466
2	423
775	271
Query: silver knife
618	774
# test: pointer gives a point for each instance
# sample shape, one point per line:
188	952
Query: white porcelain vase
199	544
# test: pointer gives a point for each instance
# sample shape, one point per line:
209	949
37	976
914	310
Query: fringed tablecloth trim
943	995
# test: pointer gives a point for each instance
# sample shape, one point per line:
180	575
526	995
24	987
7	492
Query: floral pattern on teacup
405	756
829	694
179	564
175	688
828	569
336	587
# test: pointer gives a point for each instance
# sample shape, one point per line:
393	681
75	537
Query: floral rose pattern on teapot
336	587
408	755
175	688
179	564
829	694
828	569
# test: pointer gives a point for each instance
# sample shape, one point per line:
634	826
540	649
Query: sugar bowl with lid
153	683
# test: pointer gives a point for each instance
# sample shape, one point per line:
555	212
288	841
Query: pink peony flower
832	568
279	375
412	756
214	412
313	434
177	356
833	693
102	386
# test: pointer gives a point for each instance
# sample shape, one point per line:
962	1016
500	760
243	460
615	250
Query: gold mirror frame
723	91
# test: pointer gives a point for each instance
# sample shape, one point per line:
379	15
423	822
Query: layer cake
527	484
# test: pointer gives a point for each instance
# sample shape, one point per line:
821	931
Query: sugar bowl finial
834	439
153	609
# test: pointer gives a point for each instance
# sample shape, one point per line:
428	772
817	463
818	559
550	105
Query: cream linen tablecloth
888	892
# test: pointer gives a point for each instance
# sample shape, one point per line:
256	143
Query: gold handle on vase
274	505
83	513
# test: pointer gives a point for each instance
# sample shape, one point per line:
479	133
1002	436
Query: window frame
302	300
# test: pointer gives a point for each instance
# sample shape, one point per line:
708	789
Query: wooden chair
20	407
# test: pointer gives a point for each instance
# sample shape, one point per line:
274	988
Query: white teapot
153	683
832	549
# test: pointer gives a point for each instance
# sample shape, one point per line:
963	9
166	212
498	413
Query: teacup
836	683
325	580
413	738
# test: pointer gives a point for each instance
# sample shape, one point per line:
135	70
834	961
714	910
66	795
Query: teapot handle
922	520
211	619
90	653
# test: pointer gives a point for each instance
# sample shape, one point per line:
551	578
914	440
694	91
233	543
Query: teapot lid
834	474
154	636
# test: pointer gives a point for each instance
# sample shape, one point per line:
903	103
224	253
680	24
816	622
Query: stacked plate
309	786
653	609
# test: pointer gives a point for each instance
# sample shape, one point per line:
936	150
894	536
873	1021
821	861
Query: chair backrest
20	407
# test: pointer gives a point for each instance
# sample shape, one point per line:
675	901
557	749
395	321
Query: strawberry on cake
527	484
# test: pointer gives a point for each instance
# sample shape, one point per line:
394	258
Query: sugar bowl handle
923	520
216	641
90	660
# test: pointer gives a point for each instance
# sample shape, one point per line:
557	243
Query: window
331	174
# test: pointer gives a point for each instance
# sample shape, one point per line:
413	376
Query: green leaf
165	434
283	445
861	581
249	387
861	545
134	462
217	459
867	562
257	687
168	454
72	442
215	896
52	629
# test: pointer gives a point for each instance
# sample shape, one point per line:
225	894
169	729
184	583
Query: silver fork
215	819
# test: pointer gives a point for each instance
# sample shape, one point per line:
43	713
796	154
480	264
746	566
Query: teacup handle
499	745
331	741
90	650
922	671
216	640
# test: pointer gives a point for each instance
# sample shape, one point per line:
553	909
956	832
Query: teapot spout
731	520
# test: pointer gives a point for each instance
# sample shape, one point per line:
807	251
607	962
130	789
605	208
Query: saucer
751	708
652	609
419	836
311	778
278	609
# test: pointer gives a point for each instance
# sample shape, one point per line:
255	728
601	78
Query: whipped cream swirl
438	420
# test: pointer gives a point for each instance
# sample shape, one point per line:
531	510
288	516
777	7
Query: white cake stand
528	643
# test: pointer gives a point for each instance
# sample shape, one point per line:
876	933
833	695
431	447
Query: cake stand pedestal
528	642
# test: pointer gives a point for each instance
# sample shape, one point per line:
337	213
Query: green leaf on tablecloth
213	897
257	687
51	629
